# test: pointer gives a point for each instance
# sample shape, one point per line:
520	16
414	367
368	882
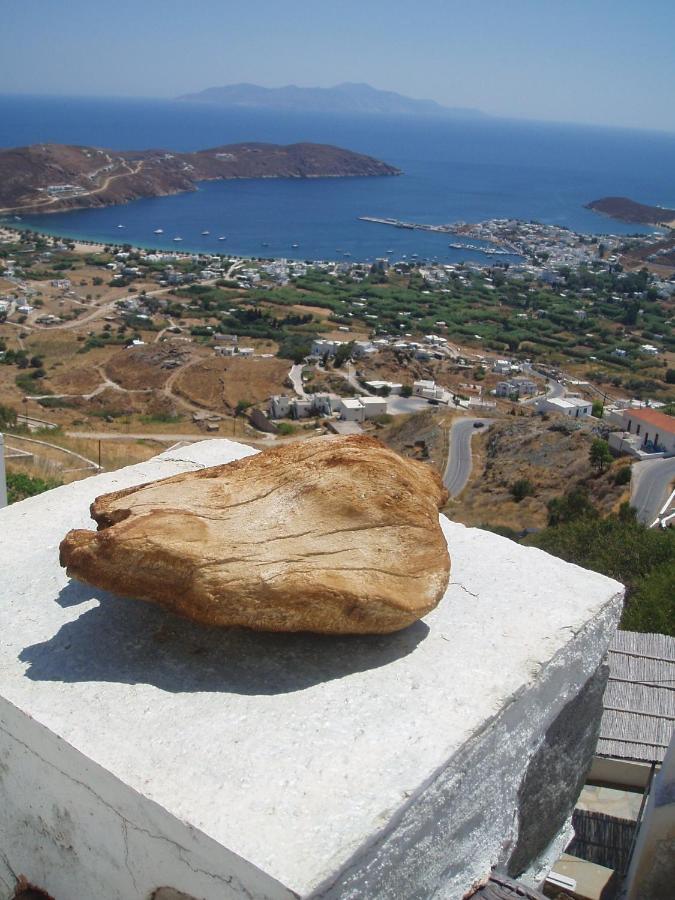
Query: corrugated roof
602	839
499	887
639	705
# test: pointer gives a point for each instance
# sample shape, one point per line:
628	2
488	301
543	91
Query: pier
456	228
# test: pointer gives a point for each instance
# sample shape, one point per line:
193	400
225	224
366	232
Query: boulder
333	535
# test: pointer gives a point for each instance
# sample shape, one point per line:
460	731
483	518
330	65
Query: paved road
458	466
397	405
650	487
553	388
295	376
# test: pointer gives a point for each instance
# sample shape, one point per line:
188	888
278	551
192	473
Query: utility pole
3	481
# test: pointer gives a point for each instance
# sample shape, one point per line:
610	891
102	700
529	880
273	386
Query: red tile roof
652	417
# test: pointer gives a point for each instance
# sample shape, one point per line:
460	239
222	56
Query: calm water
469	170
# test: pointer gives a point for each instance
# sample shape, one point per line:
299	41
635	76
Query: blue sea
453	170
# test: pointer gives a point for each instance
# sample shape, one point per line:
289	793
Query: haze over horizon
599	63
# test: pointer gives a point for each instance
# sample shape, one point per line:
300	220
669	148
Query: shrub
7	417
20	485
521	489
623	475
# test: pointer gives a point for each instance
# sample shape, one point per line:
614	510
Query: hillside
54	177
628	210
342	98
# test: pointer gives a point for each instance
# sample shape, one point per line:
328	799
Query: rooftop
662	421
568	402
639	714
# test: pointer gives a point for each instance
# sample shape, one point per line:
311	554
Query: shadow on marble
131	642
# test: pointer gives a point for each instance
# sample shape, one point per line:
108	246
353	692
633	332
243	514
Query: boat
264	244
295	246
206	232
120	226
390	251
178	239
222	237
159	231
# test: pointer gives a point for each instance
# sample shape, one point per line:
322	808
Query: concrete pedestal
139	751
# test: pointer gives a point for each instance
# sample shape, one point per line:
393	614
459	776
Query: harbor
454	228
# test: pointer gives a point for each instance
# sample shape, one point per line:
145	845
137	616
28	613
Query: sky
605	62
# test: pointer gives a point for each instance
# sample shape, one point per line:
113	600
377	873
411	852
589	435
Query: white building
655	429
520	387
358	409
283	407
376	385
351	409
574	407
373	406
429	390
321	347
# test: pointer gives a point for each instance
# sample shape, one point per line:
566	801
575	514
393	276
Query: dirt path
42	203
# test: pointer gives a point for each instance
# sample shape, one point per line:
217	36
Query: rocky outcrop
334	535
627	210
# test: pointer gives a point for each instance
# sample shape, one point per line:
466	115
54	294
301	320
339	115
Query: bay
453	169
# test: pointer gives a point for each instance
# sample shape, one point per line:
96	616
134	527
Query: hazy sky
600	61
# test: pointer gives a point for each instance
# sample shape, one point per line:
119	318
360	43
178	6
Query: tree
670	376
342	354
406	390
598	409
599	454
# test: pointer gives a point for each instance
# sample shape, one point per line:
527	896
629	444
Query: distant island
44	178
630	211
343	98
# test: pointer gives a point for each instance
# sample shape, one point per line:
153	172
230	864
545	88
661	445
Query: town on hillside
109	352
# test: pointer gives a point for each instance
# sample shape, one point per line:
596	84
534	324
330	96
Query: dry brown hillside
219	383
552	454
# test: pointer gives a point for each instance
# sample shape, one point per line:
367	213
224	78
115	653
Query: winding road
458	466
650	487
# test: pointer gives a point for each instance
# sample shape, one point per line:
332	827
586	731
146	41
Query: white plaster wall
77	832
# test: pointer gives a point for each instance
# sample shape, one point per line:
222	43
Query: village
111	350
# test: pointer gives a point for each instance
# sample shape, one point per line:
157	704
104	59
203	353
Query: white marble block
140	751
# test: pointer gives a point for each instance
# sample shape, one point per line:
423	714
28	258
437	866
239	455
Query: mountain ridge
43	178
346	97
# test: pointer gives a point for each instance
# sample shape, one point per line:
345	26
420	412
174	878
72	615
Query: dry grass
220	383
530	448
